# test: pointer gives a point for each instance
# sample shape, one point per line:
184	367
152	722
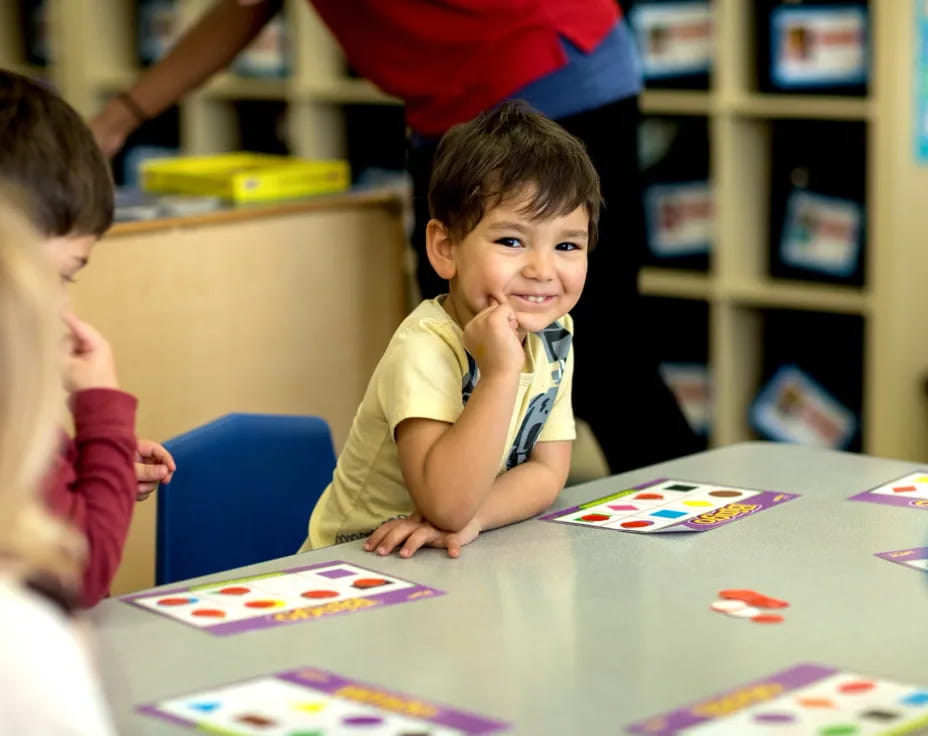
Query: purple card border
886	500
902	556
330	683
782	682
763	501
295	615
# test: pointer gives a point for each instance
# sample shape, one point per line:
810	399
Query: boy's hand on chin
492	337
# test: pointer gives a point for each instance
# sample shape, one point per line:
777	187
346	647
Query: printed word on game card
910	490
666	505
805	699
286	597
315	702
915	557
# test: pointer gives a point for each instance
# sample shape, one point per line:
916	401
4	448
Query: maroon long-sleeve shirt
93	485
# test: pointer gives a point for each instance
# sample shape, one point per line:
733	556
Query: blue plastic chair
243	491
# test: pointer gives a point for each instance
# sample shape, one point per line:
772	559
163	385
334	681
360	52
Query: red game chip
767	618
753	598
738	595
650	496
594	517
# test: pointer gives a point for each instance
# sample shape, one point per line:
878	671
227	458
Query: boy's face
537	267
69	254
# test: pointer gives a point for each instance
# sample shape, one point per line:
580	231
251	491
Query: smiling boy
467	424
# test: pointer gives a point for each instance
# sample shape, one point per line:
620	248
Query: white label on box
674	39
680	218
821	233
818	46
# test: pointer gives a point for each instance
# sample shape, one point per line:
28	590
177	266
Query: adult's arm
208	46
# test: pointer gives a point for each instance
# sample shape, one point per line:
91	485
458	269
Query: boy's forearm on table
461	467
519	494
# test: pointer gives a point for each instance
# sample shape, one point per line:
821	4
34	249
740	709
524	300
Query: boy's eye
567	246
510	242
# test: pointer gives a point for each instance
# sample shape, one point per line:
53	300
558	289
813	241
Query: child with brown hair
467	424
52	165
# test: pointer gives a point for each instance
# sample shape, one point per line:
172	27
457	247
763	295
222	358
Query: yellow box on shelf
245	177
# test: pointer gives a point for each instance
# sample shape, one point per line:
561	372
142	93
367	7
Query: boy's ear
440	249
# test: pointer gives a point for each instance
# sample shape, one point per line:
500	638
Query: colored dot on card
856	686
650	496
725	494
369	582
904	489
919	698
320	594
362	721
636	524
774	718
264	604
208	613
338	572
254	720
880	715
235	590
844	729
205	707
313	707
696	503
811	702
594	517
176	601
922	479
623	507
679	487
668	514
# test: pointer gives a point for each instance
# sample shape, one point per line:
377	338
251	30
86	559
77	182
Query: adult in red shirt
573	60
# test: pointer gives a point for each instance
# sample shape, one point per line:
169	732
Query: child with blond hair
47	679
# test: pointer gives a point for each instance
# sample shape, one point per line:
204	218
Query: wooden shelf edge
676	102
799	296
676	284
345	92
802	106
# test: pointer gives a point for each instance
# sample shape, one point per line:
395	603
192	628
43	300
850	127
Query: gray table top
560	629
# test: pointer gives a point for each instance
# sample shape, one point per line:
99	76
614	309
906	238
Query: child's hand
492	337
89	361
416	532
153	465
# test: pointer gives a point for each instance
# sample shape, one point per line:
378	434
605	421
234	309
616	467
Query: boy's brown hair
50	158
497	155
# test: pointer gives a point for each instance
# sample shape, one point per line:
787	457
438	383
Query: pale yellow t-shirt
425	372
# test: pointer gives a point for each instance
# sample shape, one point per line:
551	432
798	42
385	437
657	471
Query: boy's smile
536	266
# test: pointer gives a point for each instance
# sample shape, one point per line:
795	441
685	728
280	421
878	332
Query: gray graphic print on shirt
557	342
